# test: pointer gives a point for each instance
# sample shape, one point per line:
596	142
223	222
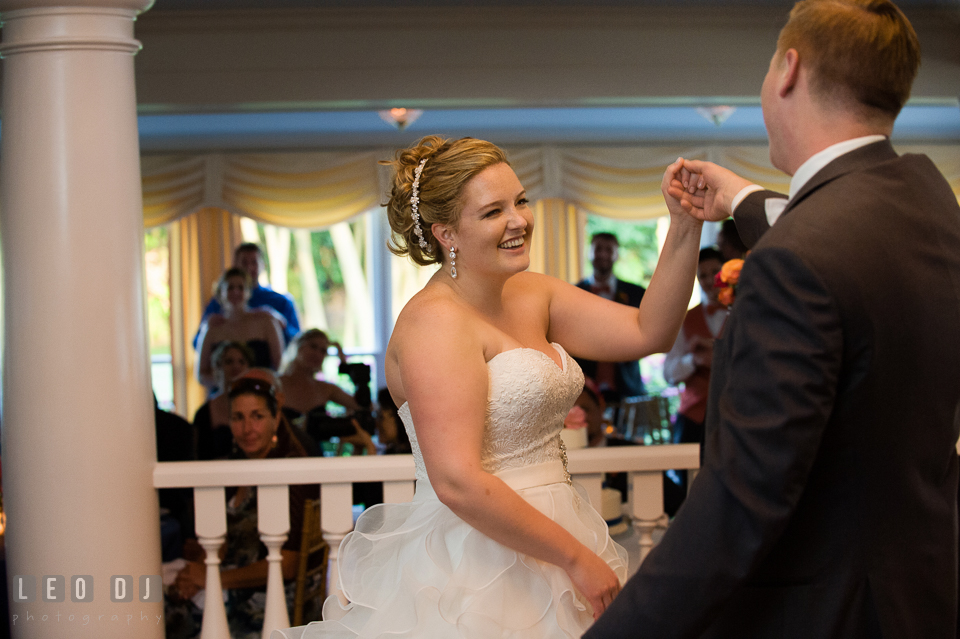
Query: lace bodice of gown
529	396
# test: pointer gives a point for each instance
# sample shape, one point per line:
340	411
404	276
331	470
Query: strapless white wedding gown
418	570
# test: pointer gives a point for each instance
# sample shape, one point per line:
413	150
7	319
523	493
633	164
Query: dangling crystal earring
453	263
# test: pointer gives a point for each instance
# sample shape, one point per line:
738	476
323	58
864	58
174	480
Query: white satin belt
544	474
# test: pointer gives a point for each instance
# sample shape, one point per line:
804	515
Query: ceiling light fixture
716	114
400	118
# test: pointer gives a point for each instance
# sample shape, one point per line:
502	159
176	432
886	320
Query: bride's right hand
594	579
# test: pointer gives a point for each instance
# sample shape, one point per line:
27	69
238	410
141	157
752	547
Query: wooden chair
314	558
645	420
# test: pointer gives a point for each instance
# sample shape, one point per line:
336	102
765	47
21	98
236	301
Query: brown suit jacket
826	506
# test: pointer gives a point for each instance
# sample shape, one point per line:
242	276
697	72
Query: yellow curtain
201	247
621	183
557	238
301	190
173	186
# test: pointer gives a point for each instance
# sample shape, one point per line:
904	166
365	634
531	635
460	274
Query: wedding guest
212	420
307	396
691	358
593	405
615	379
259	433
729	244
689	363
176	441
249	258
391	433
258	329
308	443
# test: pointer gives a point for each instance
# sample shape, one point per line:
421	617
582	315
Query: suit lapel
855	160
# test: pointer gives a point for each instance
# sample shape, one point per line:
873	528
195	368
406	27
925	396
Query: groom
826	506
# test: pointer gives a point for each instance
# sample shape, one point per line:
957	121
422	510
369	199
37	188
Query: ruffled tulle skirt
418	570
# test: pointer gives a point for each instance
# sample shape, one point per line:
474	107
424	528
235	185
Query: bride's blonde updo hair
450	164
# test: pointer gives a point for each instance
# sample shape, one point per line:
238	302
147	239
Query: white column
78	433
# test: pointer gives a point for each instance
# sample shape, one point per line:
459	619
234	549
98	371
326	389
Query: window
640	244
327	273
157	269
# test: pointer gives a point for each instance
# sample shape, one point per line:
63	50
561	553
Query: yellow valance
317	189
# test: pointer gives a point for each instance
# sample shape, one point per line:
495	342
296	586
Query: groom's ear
789	72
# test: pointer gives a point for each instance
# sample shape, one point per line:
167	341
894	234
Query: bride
497	541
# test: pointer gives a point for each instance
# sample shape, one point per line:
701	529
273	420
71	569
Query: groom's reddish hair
863	54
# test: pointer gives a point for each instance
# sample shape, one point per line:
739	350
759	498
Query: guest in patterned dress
259	433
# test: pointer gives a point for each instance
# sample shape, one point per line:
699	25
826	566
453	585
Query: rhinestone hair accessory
415	204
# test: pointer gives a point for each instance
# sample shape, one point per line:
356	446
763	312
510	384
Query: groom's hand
673	194
705	190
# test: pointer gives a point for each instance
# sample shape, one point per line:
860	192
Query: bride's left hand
595	580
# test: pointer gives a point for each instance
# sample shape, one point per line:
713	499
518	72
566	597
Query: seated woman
307	397
259	433
212	420
257	328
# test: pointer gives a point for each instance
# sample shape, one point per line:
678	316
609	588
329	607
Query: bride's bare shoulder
433	331
435	309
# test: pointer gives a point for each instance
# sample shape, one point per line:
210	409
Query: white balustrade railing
336	476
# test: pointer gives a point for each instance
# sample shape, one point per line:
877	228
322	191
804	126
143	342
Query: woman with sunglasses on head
497	542
259	432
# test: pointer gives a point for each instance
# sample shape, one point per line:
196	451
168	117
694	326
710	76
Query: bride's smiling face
496	223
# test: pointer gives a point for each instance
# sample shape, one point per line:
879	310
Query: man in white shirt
826	503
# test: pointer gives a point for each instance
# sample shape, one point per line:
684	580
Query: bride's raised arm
441	361
592	327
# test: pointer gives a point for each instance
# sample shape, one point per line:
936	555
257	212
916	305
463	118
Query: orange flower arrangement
727	279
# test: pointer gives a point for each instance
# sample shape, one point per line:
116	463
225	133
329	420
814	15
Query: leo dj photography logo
53	589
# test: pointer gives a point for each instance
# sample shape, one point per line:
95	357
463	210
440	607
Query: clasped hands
702	189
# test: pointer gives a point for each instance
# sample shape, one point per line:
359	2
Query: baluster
273	521
646	506
210	511
398	492
336	520
593	484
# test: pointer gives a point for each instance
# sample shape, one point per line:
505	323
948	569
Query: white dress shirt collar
819	160
774	207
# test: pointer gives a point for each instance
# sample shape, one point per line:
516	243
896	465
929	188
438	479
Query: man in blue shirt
249	257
